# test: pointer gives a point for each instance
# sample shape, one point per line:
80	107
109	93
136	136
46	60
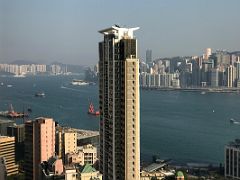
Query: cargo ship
91	110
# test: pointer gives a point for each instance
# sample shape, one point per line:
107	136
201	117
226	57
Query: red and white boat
91	110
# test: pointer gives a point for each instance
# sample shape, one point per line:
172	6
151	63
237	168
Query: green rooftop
180	174
87	168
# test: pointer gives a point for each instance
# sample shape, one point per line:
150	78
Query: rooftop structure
87	172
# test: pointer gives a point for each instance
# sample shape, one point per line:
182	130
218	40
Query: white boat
234	121
9	85
79	82
40	94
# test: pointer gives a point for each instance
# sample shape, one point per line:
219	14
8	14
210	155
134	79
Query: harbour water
184	126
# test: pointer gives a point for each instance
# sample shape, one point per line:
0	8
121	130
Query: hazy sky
67	30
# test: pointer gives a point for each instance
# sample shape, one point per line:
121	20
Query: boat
91	110
40	94
203	92
29	109
12	114
233	121
79	82
9	85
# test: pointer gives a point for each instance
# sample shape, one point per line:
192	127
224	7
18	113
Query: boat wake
233	121
72	89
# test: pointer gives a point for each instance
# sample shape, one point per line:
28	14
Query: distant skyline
67	30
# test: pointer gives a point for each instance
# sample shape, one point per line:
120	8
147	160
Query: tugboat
91	110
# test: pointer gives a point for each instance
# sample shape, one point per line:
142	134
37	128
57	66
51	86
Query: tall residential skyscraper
230	76
207	53
119	104
39	145
148	56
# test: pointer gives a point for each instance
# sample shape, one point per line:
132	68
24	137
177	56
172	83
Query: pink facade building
39	144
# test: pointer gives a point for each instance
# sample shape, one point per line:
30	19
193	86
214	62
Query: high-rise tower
119	104
148	56
39	145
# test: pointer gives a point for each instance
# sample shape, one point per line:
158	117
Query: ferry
91	110
79	82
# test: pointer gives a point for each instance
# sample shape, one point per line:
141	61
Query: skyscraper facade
148	56
39	145
119	104
230	76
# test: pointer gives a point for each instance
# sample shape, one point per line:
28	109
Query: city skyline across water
65	31
183	126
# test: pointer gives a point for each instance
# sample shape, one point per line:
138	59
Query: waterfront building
157	80
232	160
86	154
143	67
143	79
238	70
238	83
214	78
207	53
7	151
175	83
55	69
230	76
207	66
148	56
39	145
222	77
148	80
196	73
223	58
119	104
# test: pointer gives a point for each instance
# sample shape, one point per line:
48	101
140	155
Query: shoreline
202	90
